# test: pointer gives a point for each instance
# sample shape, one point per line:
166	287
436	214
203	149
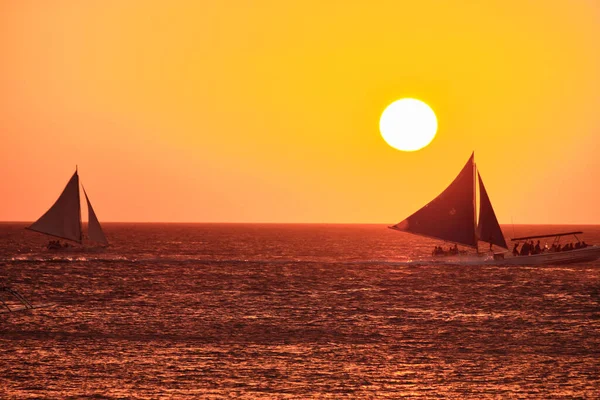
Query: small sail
95	232
63	219
451	215
488	229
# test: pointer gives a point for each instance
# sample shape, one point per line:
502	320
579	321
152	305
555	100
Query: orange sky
268	111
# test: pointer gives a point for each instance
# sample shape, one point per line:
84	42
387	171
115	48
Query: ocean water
292	311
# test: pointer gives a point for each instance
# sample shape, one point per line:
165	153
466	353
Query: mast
475	238
79	207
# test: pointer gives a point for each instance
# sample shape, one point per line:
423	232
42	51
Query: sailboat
452	217
63	219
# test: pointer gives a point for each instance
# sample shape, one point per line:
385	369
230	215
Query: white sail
63	219
95	232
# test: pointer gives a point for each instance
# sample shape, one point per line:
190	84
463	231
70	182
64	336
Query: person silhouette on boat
516	249
584	244
525	249
453	250
438	251
537	249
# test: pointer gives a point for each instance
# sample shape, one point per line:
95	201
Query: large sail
63	219
95	232
451	215
488	229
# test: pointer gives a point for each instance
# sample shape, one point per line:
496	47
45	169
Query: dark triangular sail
488	229
451	215
95	232
63	219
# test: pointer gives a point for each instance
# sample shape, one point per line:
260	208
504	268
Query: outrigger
15	301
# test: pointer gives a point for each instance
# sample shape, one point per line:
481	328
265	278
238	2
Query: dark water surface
292	311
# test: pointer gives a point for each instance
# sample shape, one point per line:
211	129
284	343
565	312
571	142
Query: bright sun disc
408	124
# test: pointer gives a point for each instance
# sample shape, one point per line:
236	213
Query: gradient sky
268	111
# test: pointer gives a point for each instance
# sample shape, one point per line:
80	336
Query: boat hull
586	254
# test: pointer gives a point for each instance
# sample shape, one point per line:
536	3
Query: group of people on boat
56	245
439	251
529	248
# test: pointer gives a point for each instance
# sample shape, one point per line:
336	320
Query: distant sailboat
451	217
63	219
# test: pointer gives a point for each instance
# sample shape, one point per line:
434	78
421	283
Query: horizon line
287	223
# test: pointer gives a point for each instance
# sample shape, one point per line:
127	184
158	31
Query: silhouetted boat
587	253
451	217
63	219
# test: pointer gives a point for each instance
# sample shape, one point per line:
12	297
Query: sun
408	124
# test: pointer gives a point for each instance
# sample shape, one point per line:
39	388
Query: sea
292	311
